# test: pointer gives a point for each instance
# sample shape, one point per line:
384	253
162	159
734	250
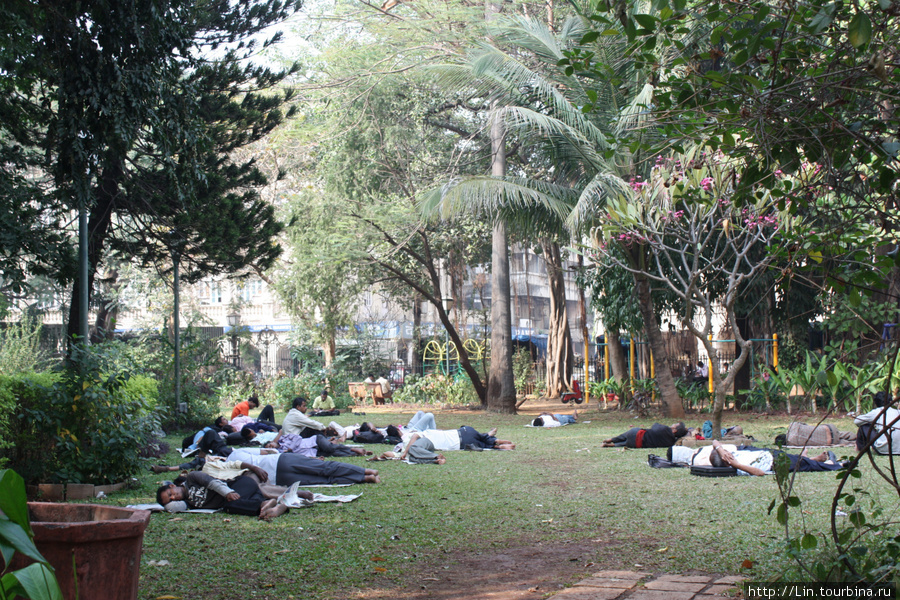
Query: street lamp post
447	302
264	339
234	322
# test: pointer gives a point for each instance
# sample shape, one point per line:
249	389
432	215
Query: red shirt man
243	408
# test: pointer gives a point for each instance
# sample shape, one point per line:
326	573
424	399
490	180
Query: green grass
559	484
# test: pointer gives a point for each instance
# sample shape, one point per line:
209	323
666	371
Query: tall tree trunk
329	349
415	356
107	308
664	380
617	365
501	392
560	356
99	221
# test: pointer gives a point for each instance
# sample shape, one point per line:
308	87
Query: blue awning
539	341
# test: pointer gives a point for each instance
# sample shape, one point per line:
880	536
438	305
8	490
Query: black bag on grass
658	462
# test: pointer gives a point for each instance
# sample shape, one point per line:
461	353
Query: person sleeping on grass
657	436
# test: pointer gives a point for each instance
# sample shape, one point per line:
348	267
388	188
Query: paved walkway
631	585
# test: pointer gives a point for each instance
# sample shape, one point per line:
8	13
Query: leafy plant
83	427
811	377
20	347
16	391
607	388
694	395
232	386
523	369
461	391
862	383
766	394
37	581
283	391
783	382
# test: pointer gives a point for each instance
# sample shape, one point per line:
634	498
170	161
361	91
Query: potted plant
37	580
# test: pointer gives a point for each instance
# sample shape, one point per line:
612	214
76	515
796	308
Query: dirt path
513	573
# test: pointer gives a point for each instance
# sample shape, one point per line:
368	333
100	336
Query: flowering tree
681	229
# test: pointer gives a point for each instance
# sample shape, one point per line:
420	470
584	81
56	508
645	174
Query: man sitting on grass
323	406
298	423
658	436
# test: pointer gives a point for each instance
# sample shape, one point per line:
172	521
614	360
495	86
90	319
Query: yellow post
587	371
709	359
775	350
606	360
631	366
653	372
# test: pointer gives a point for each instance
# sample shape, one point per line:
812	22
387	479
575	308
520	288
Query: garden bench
358	391
377	393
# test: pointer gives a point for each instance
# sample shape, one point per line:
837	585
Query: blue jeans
421	421
564	419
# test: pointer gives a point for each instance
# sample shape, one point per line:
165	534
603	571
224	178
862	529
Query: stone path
631	585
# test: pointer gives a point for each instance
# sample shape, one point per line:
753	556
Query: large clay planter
104	541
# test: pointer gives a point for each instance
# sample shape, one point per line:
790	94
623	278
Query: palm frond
491	196
592	201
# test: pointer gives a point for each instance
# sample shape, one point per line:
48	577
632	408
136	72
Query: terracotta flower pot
103	542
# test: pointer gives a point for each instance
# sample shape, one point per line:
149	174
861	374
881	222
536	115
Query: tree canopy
132	111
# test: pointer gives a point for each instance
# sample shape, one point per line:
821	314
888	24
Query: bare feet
575	416
373	472
267	514
371	479
440	459
160	469
492	432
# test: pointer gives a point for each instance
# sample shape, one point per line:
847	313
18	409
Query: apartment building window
251	289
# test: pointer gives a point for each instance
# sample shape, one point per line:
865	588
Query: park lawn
559	484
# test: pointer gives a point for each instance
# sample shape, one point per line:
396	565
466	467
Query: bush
437	389
20	347
17	390
523	369
283	391
140	388
232	386
80	425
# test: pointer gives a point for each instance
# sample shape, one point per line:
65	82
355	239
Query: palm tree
566	176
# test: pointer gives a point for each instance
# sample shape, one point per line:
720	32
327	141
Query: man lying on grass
464	438
759	461
316	445
546	419
657	436
240	496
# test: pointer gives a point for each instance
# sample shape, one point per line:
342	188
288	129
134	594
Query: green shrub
16	390
141	388
232	386
523	368
437	389
20	349
283	391
82	427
